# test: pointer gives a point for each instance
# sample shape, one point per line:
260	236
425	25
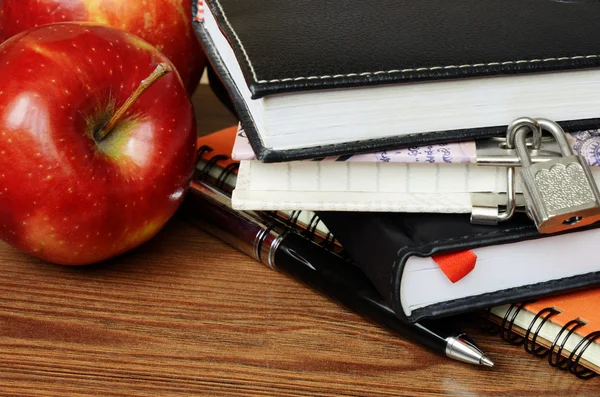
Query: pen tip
486	361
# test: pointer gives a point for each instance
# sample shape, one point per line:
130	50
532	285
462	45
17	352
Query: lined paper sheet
303	176
364	202
346	186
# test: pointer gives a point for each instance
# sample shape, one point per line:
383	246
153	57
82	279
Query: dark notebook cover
285	46
381	244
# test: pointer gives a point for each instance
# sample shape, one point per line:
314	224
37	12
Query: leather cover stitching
393	71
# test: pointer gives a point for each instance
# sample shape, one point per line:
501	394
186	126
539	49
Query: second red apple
166	24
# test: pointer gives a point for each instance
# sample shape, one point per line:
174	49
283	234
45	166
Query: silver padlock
561	193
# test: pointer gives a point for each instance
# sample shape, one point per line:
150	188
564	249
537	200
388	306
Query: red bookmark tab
456	265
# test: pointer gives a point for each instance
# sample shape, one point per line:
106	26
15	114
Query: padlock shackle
559	135
520	123
557	132
521	147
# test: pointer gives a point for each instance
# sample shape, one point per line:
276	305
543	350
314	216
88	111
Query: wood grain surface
186	315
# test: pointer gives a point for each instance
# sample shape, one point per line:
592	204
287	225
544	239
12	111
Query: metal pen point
487	362
461	350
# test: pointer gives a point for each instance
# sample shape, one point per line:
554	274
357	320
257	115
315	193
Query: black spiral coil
555	358
531	346
555	355
204	166
229	170
577	353
507	325
310	231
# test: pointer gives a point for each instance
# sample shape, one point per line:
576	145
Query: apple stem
161	70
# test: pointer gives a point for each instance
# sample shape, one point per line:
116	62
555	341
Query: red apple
96	150
166	24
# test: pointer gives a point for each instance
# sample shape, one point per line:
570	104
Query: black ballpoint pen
276	245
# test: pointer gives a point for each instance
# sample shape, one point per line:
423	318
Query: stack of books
430	144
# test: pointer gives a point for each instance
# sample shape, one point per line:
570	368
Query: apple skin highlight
166	24
64	196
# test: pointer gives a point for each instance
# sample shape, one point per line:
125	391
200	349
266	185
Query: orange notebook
219	143
564	329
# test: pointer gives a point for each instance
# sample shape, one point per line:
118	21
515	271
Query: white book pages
333	116
500	267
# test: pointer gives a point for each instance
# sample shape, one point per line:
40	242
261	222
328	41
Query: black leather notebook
315	78
513	262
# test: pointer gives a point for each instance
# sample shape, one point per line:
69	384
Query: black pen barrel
342	282
279	247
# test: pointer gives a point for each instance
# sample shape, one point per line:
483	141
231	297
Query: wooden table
187	315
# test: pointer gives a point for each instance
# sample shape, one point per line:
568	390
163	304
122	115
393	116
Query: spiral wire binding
554	352
530	343
555	358
574	367
224	175
329	240
202	150
507	325
202	173
311	228
293	218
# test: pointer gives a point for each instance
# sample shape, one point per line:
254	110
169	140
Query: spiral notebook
564	329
